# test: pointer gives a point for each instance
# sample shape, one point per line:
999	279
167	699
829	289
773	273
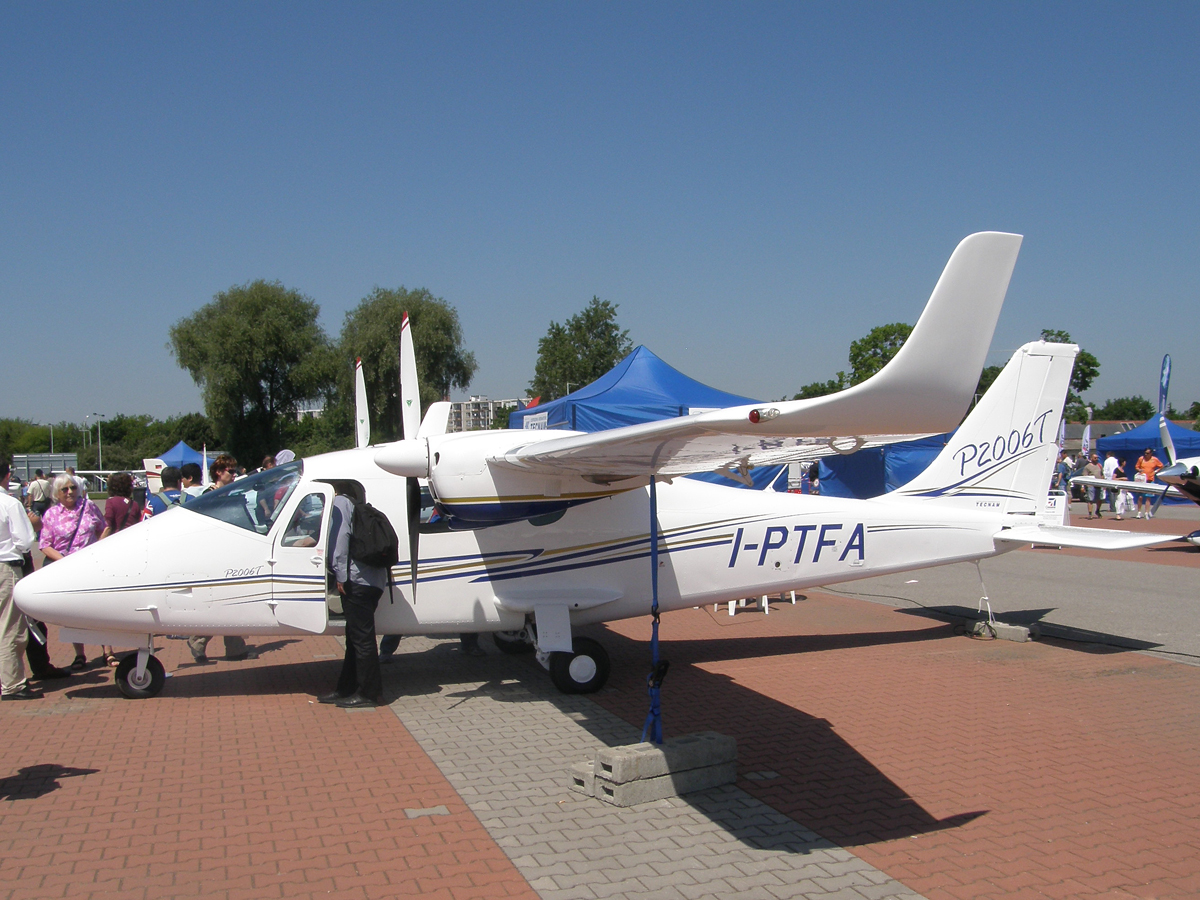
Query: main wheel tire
584	671
148	686
511	642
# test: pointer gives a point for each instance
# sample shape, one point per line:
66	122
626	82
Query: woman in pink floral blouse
70	525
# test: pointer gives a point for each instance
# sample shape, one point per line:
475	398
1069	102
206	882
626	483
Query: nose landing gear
137	682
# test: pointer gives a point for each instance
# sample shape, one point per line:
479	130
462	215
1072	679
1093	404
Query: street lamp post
99	442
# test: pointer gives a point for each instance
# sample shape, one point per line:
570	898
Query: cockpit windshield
252	503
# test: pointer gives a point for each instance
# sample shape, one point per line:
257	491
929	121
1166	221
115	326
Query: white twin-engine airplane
535	533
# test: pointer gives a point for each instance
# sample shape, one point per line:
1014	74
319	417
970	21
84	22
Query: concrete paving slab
504	736
1139	605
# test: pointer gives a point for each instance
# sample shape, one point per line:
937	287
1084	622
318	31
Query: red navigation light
758	415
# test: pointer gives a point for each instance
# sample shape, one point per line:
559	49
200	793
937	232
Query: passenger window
305	528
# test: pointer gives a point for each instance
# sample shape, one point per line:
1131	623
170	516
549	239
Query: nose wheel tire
511	642
149	685
584	671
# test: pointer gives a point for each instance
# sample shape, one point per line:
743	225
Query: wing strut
658	670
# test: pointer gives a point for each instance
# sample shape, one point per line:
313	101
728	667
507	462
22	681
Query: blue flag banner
1164	381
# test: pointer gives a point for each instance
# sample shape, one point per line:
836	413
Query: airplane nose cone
36	595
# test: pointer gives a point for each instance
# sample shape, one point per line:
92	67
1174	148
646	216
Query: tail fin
1003	455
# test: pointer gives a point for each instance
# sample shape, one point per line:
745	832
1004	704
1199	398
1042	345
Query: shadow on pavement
801	766
32	782
1079	639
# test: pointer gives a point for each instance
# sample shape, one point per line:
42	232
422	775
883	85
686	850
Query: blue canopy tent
181	453
1129	445
640	388
874	472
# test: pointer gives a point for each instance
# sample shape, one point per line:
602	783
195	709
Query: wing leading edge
925	389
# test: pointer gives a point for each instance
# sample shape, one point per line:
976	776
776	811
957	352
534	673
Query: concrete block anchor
1002	631
583	781
639	773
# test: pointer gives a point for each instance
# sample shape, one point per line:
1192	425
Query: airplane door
298	559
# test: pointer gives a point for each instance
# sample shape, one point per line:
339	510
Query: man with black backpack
362	549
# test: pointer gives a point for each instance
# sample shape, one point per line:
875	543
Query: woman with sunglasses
71	524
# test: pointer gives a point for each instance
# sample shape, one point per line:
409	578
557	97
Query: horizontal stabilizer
1085	538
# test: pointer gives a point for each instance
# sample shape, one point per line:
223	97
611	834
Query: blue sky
756	185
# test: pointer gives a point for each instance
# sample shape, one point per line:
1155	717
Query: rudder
1003	454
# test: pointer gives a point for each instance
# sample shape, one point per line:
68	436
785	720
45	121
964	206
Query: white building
478	413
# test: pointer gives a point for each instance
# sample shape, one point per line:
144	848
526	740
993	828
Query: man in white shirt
1110	468
16	539
41	494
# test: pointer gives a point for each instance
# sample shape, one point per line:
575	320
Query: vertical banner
1085	445
1164	382
1062	434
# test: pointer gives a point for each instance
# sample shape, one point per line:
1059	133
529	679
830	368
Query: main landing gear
584	670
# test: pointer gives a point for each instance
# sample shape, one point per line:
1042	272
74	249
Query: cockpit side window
252	503
305	528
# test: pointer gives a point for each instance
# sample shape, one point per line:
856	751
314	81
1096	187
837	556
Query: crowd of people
55	516
1119	502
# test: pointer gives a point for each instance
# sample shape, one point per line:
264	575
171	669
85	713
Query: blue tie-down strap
653	726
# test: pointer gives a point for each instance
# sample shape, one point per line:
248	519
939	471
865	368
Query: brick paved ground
959	768
963	768
231	784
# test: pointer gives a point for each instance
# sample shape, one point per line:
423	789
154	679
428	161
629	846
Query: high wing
1135	487
925	389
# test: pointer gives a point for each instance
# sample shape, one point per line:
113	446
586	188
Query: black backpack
373	540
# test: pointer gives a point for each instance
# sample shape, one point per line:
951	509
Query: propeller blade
410	413
1165	433
410	396
414	536
1157	503
362	418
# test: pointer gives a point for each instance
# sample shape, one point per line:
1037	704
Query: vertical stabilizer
1001	458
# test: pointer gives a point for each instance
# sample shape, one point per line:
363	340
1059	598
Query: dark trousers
38	654
360	668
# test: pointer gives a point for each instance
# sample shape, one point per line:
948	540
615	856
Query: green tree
868	355
500	419
1133	409
986	379
1087	367
371	331
257	352
871	353
822	388
579	351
